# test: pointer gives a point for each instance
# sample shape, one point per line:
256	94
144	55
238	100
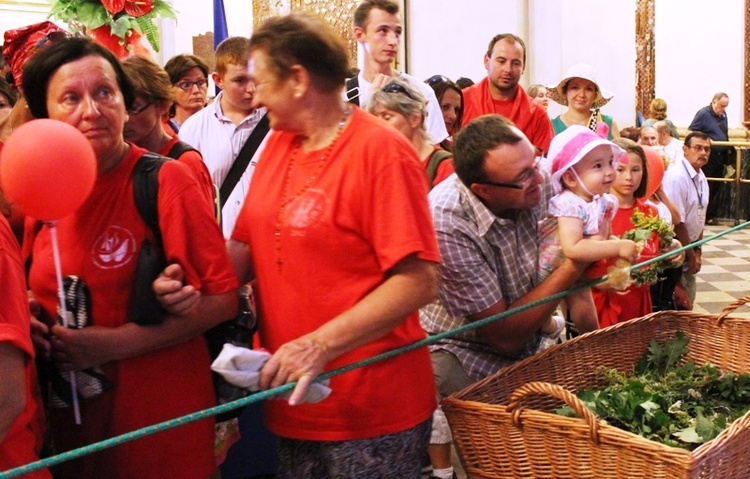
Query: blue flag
220	26
220	23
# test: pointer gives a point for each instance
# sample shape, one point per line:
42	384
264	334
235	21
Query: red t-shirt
99	243
615	307
366	211
21	444
529	117
194	161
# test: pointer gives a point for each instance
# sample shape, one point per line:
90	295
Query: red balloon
47	168
655	168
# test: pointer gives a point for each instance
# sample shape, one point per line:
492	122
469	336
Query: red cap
21	43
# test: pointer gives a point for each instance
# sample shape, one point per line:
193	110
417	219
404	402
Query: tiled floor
725	274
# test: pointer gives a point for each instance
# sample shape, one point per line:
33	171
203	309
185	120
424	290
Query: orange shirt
529	117
366	211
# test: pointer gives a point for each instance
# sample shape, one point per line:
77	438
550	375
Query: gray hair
407	104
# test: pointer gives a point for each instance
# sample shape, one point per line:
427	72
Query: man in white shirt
220	130
378	27
687	187
672	146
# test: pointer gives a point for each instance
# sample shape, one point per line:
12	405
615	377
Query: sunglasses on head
437	79
394	87
53	37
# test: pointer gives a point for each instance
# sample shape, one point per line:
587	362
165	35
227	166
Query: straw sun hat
587	72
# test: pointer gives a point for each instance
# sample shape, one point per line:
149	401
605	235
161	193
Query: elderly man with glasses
686	185
486	220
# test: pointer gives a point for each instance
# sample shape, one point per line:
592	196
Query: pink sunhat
570	146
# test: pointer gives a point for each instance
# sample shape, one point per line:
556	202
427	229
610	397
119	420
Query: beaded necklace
286	199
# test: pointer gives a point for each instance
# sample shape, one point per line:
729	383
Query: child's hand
628	250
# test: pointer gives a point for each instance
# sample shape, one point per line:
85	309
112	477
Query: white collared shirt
219	140
688	190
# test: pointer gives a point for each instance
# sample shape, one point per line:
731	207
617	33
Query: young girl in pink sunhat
579	215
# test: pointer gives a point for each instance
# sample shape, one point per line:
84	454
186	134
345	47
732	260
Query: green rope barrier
268	394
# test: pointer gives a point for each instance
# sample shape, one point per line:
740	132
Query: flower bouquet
653	237
116	24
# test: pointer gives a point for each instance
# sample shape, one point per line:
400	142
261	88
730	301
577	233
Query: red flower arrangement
116	24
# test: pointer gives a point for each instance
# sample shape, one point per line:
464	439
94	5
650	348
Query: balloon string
64	309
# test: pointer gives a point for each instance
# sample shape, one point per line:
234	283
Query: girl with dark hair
629	187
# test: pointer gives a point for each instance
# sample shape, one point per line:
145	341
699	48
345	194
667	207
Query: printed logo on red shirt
114	248
306	210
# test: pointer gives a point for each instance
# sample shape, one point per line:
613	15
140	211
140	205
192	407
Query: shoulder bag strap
437	157
352	90
243	159
178	149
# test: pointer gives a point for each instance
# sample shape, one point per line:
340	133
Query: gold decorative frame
645	55
746	77
338	14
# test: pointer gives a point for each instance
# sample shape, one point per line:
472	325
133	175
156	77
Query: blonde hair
658	109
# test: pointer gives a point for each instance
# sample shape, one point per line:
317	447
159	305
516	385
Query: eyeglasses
394	87
437	79
136	111
188	85
523	180
699	148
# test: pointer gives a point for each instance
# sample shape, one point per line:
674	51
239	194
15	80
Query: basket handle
549	389
731	308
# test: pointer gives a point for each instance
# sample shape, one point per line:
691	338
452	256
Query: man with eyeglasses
500	92
686	185
378	28
486	218
225	131
712	120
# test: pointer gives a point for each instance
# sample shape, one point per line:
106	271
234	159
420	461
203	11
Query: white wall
450	38
699	52
699	44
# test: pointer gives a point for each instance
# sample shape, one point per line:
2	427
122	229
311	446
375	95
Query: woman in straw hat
583	96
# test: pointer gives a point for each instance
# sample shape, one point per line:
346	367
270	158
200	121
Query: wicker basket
505	426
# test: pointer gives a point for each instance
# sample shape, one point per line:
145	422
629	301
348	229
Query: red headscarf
21	43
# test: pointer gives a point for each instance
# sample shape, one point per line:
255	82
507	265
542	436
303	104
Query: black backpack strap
438	156
243	159
146	190
178	149
145	309
352	90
